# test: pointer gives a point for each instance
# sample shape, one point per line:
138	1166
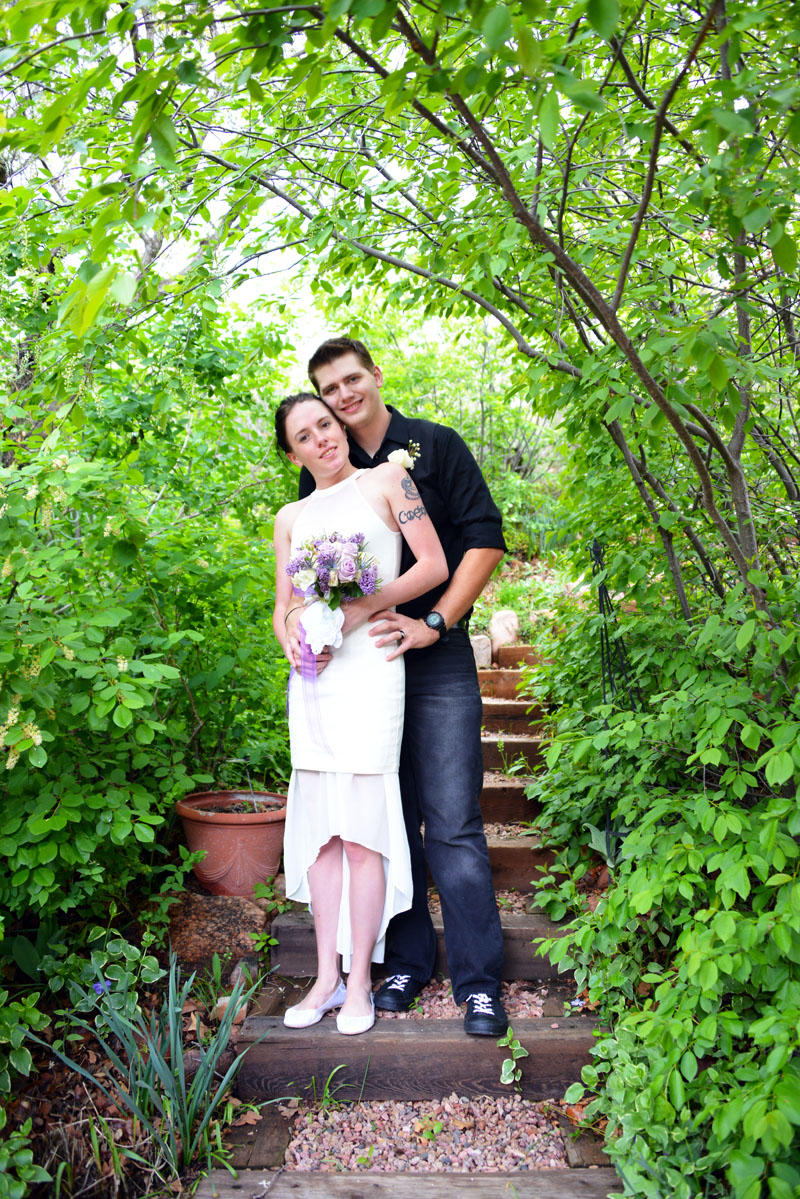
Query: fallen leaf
248	1117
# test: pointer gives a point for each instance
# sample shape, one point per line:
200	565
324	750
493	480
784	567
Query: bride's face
316	439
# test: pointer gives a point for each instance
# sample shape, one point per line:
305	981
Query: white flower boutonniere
406	458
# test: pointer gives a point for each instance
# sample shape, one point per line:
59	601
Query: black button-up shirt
452	488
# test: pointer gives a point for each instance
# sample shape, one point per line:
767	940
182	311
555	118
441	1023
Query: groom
441	764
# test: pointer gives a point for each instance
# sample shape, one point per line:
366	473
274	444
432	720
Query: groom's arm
468	581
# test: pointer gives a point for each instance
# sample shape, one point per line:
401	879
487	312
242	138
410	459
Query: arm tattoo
410	488
412	514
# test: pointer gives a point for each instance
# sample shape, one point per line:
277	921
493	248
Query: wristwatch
435	621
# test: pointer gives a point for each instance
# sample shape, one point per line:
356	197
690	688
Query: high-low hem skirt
364	808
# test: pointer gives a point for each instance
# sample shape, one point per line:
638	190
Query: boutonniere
407	457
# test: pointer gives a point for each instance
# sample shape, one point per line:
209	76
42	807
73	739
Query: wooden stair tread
509	656
408	1059
294	955
503	799
501	749
502	684
294	1184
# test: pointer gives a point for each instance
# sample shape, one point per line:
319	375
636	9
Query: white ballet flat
304	1017
351	1026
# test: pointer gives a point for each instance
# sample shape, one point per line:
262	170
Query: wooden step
520	716
294	954
512	656
517	862
407	1059
503	799
504	750
503	684
295	1184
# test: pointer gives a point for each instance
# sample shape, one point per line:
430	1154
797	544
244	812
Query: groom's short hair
334	348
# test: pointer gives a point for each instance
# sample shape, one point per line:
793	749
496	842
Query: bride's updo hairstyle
286	406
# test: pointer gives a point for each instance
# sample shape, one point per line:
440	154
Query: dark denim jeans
441	776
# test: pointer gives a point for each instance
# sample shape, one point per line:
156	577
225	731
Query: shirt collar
398	433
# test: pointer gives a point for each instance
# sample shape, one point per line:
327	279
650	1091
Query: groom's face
352	390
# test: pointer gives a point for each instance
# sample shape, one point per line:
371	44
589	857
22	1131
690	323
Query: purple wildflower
101	987
368	579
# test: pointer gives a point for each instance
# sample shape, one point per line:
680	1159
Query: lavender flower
368	580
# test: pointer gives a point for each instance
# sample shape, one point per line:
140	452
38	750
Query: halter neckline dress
345	732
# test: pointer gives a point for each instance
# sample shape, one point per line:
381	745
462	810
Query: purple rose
347	568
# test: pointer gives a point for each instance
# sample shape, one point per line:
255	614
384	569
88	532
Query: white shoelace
483	1003
398	982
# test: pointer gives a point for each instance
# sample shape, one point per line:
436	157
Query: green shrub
693	953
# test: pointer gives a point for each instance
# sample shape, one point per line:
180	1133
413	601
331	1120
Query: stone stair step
294	954
511	715
503	799
294	1184
512	655
500	683
502	750
407	1059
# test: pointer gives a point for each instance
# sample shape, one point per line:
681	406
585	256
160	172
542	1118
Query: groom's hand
401	632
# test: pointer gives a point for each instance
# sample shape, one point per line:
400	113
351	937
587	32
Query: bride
345	848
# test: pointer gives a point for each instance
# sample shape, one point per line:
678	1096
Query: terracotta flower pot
242	848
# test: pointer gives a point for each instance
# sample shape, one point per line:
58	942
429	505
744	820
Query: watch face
434	620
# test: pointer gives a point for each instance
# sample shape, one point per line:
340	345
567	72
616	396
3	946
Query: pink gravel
454	1135
435	1002
507	901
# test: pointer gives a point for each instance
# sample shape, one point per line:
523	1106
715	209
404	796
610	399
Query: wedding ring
401	638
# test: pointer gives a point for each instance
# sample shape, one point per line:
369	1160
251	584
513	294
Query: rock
221	1007
482	649
503	629
203	924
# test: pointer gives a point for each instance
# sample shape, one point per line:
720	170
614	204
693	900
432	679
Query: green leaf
718	372
496	27
584	96
745	634
37	756
603	16
124	552
780	768
756	219
123	717
164	138
548	118
123	289
784	253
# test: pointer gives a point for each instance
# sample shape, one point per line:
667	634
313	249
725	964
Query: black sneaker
398	993
486	1016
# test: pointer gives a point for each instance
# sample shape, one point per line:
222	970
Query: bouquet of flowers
330	571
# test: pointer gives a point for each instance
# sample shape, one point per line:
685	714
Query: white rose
402	458
304	579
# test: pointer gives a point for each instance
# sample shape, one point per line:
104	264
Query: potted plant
240	834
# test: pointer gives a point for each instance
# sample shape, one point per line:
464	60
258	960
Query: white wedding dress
345	732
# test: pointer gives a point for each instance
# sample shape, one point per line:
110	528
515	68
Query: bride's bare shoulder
287	515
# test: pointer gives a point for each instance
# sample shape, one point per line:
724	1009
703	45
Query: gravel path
456	1135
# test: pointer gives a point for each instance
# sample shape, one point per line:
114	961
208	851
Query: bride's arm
284	595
